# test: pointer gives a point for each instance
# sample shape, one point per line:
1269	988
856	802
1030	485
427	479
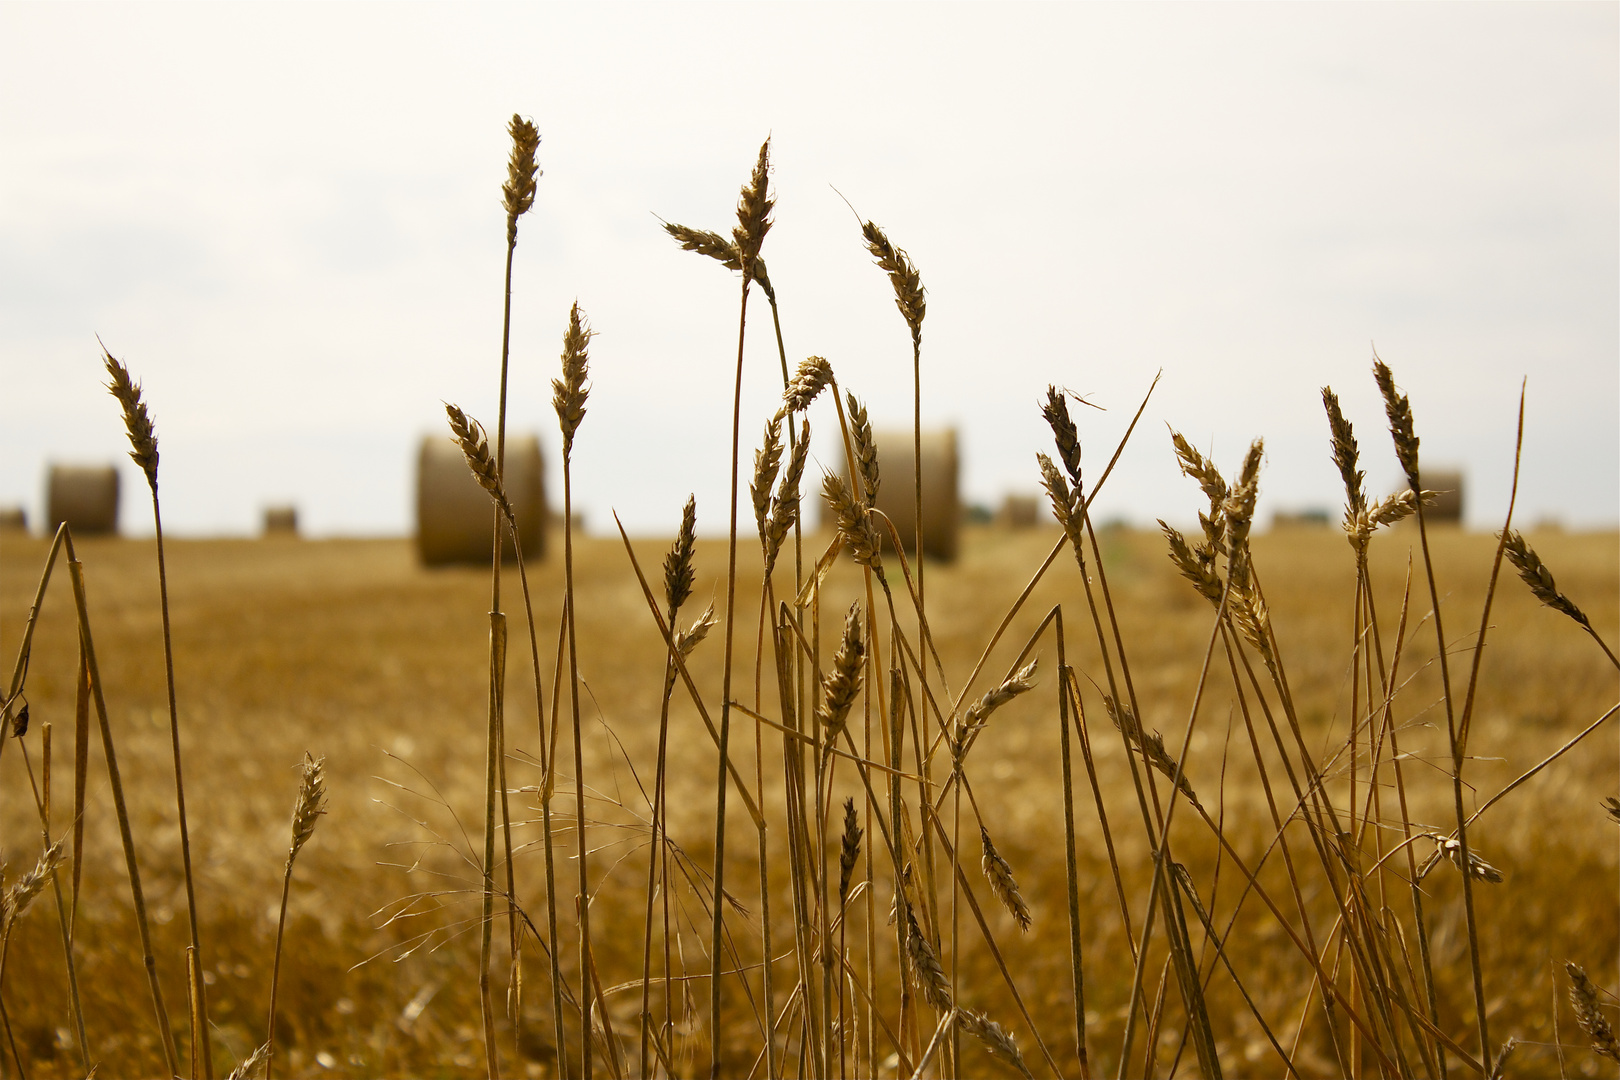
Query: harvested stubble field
351	650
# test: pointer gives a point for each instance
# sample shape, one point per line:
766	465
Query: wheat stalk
307	811
144	452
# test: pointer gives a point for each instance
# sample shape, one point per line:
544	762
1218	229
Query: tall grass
1277	899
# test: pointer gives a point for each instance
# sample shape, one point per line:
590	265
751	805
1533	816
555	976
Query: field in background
349	649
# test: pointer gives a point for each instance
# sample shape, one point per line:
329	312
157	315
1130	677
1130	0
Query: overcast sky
286	219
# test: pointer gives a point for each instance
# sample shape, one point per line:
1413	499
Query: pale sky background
286	219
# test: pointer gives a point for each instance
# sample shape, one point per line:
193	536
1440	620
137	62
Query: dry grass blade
866	455
679	573
569	393
517	194
843	683
997	1041
812	376
999	874
1535	574
137	422
909	295
1584	997
849	849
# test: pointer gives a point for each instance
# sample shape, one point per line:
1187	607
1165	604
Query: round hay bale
454	514
1448	508
942	505
1020	511
281	521
84	496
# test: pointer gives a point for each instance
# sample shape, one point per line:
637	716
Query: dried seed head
843	682
767	460
999	874
707	243
311	803
1064	433
855	528
690	638
678	571
1193	566
1479	869
250	1064
568	394
142	437
1150	743
997	1041
1065	507
1019	682
1584	996
1498	1070
469	435
1346	454
1535	574
30	884
1611	806
1238	513
925	969
866	456
808	381
1195	465
1399	410
909	295
517	194
850	849
785	506
754	209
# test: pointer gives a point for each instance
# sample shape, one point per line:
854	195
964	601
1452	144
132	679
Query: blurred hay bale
1313	518
454	515
281	521
942	505
13	519
84	496
1019	512
1448	508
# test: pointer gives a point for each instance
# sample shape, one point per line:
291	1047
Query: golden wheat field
1084	801
351	650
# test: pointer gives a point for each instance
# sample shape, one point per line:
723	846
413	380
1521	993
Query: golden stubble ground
349	649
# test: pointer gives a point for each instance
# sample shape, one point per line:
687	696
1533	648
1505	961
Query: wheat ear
999	874
1584	997
307	810
144	452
